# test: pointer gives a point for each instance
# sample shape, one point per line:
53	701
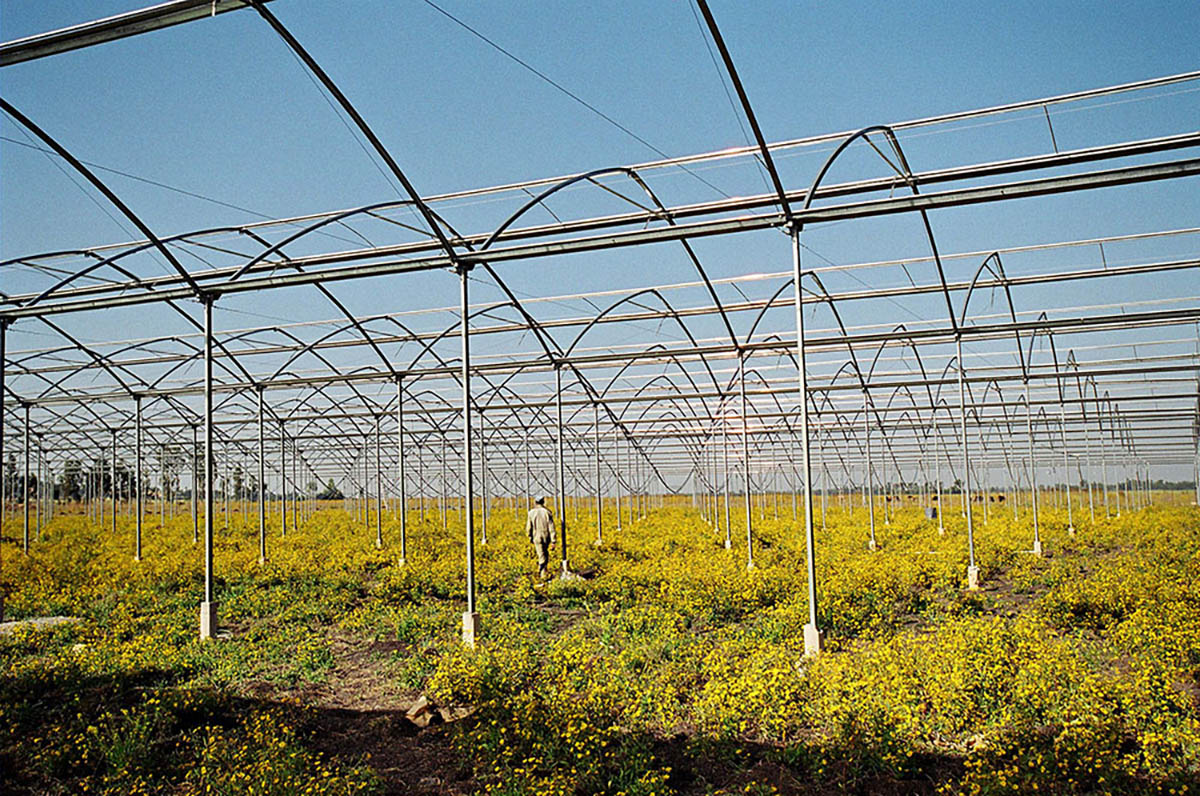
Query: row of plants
667	666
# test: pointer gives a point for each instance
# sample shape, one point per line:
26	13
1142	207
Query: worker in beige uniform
539	527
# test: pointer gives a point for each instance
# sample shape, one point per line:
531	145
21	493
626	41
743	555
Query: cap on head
541	501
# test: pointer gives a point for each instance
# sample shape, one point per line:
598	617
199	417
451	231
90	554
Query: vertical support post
483	483
112	467
137	457
208	608
599	496
746	459
400	471
378	482
725	475
262	482
195	487
869	475
812	635
1033	486
470	624
295	486
1062	424
560	507
617	469
3	460
25	485
972	569
282	480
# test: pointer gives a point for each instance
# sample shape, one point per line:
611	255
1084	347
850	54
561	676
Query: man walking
539	527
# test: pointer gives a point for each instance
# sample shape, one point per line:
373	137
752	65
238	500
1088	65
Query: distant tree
331	492
70	481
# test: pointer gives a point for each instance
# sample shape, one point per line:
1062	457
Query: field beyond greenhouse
665	667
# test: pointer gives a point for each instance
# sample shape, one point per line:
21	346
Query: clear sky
221	108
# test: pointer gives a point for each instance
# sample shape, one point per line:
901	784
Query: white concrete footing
470	630
813	640
973	578
1071	530
208	619
728	545
402	561
1037	547
871	545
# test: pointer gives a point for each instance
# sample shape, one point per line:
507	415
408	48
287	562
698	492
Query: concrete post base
1037	547
728	545
749	565
378	545
402	561
813	640
871	545
941	531
208	619
973	578
470	628
1071	530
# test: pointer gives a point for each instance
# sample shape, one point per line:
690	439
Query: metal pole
379	482
282	480
725	475
113	477
400	471
195	487
3	460
560	507
599	496
25	485
483	483
812	635
1037	539
1062	419
262	483
746	460
869	474
208	609
617	470
470	628
972	569
137	455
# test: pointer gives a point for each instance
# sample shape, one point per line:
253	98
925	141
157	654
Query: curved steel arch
910	180
86	173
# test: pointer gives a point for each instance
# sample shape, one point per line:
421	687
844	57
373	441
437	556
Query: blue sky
220	107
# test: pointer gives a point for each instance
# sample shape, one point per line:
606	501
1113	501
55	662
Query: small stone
420	713
454	713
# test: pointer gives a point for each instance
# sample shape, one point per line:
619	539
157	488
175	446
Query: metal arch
197	353
99	360
327	220
112	260
591	176
763	149
362	125
837	316
1048	332
916	353
83	170
1002	278
909	180
428	347
321	389
310	349
85	272
786	284
629	299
